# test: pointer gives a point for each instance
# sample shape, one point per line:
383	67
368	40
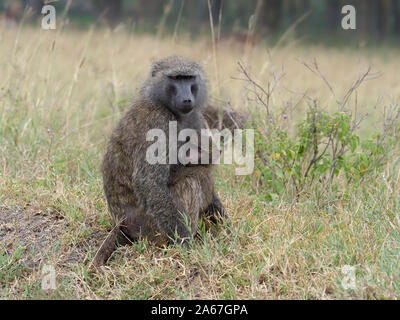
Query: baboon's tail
107	247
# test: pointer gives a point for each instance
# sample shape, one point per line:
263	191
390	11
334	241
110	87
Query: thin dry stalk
252	27
166	12
265	96
214	46
220	21
178	20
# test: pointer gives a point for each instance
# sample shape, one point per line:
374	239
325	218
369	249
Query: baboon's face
181	94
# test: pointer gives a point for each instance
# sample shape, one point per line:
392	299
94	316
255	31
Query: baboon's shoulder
145	115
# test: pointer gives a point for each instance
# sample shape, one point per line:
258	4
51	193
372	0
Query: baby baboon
149	200
225	118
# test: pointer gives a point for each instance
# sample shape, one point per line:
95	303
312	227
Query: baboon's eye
181	77
172	89
194	88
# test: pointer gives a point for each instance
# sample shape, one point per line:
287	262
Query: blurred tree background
266	19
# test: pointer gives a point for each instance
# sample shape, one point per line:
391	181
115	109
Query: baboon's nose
187	105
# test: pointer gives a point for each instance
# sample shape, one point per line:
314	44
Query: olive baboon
148	200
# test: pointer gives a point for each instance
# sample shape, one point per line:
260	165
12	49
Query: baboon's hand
181	232
171	224
216	211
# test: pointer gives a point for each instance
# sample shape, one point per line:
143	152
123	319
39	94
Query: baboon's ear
155	68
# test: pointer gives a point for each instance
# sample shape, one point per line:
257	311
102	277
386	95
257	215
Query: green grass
77	84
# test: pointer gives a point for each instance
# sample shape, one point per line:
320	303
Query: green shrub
325	146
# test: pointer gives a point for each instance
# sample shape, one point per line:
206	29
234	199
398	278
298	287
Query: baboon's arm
151	184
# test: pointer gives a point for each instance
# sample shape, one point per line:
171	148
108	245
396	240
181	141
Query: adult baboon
151	200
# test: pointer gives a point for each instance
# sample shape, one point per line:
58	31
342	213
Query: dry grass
61	93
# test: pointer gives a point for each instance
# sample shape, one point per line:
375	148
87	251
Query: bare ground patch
41	234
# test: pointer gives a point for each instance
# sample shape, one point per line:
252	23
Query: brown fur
147	201
224	118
